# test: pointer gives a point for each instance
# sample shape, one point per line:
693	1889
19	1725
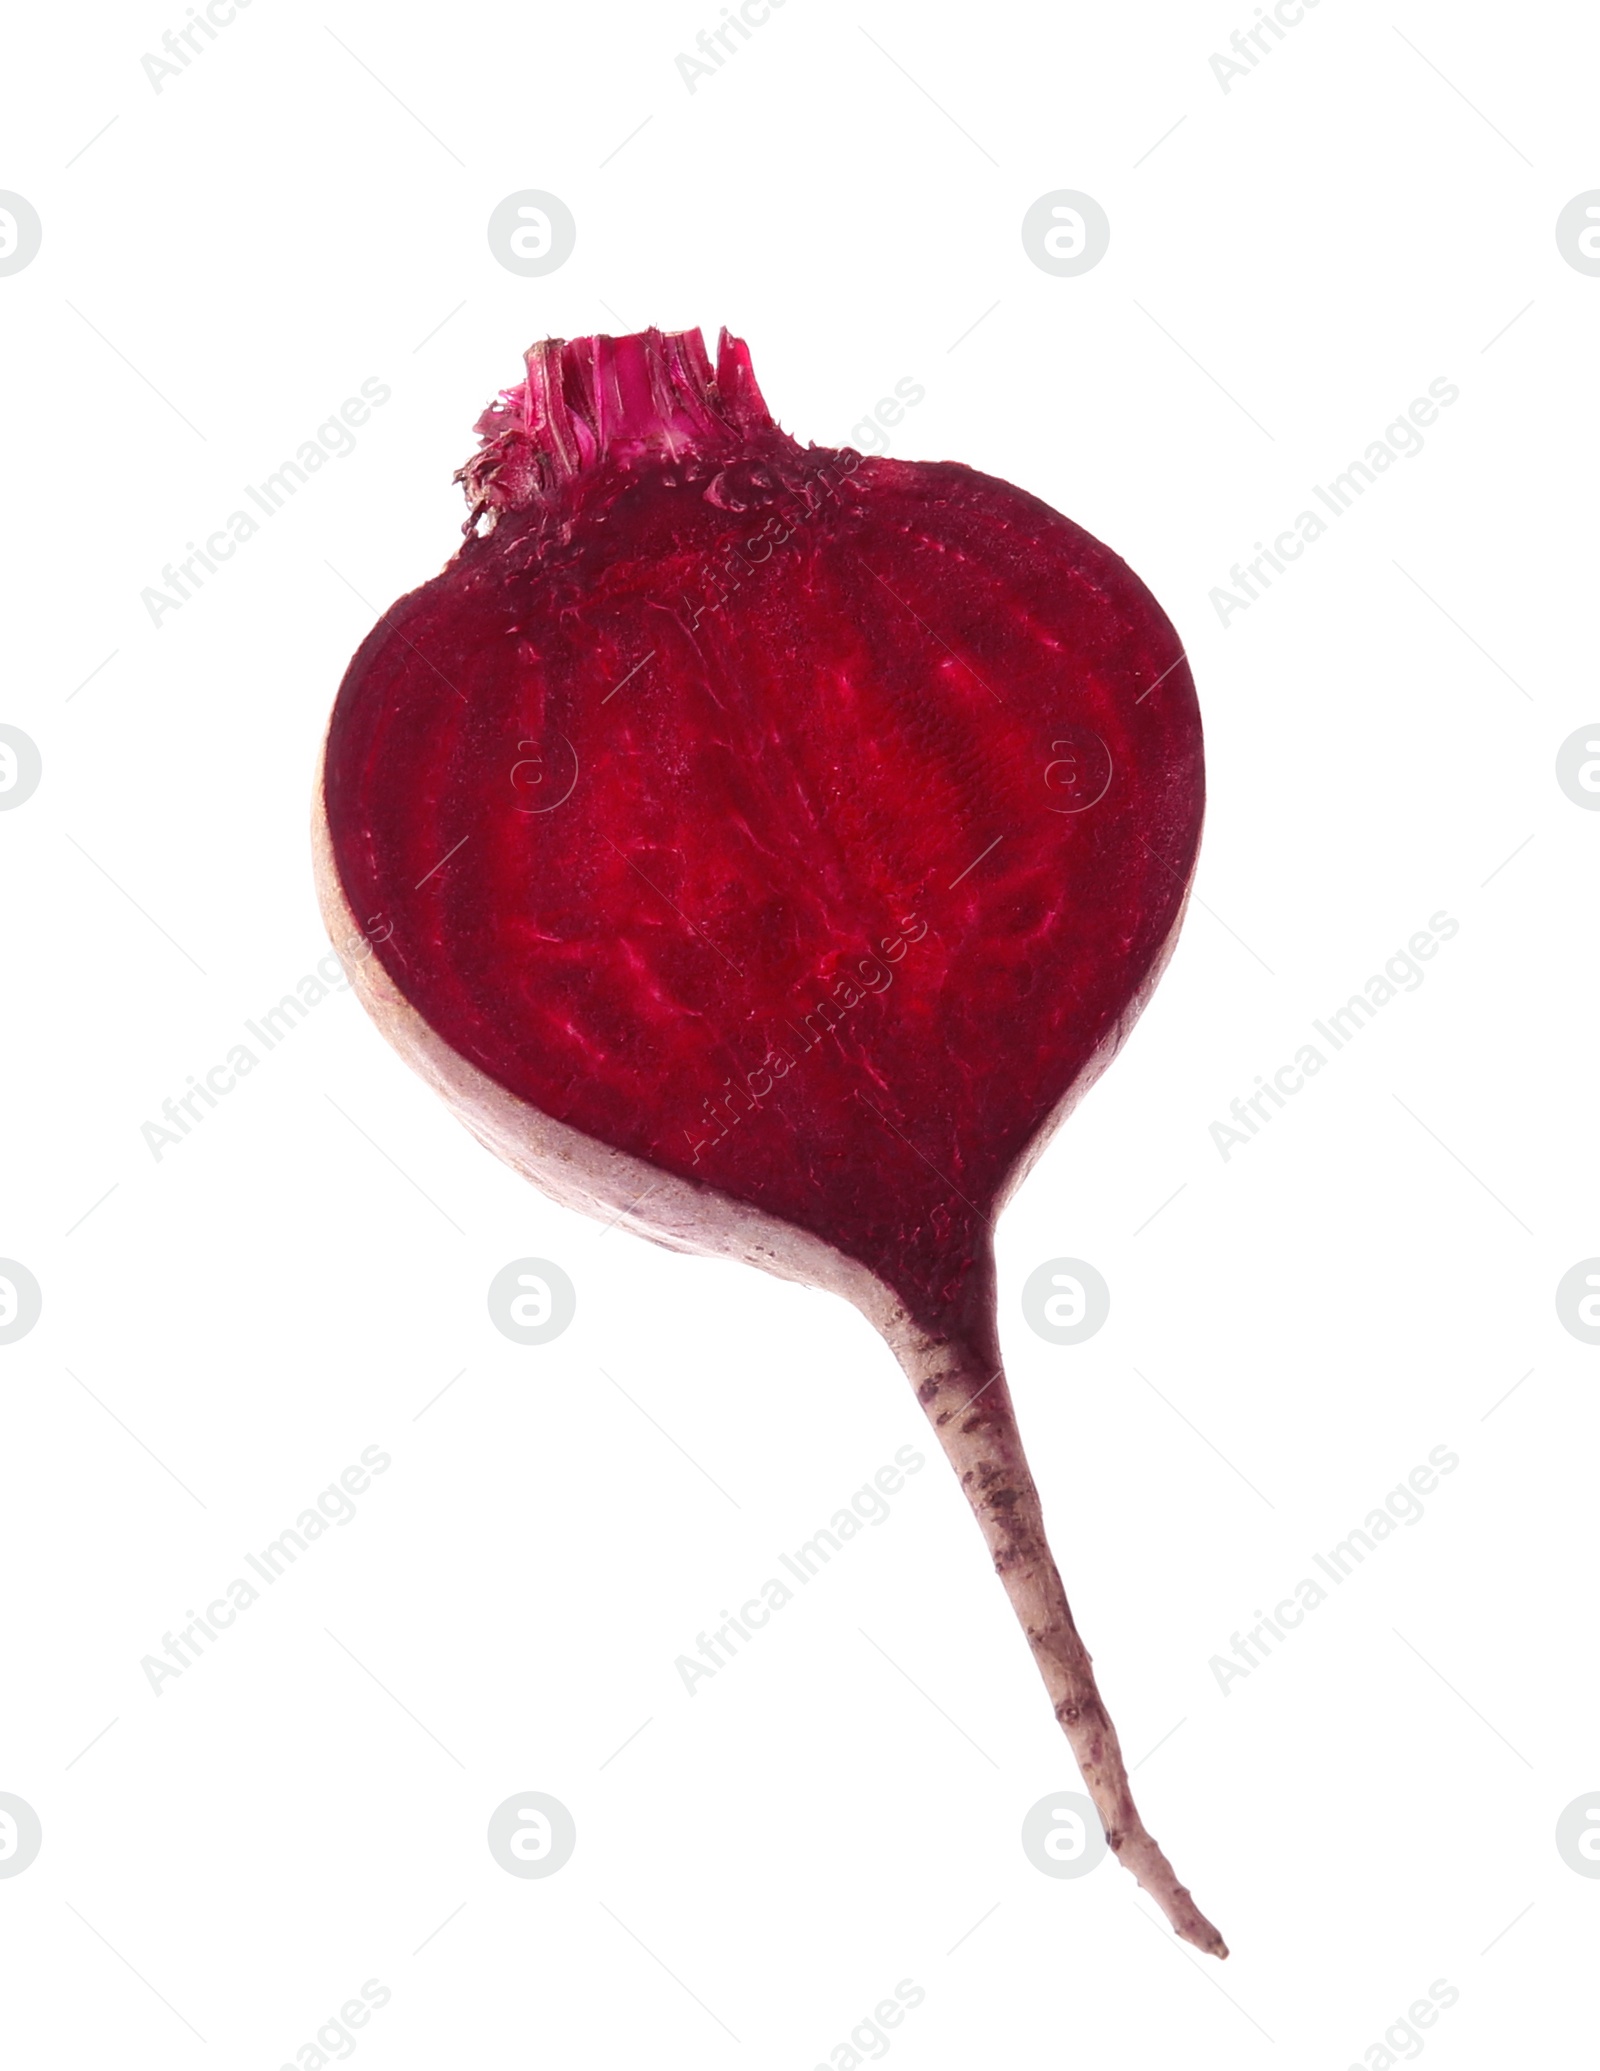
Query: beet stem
968	1403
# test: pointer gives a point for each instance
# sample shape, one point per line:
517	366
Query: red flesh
763	805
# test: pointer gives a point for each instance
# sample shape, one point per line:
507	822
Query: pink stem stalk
962	1388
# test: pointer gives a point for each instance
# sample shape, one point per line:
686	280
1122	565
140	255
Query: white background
1368	1812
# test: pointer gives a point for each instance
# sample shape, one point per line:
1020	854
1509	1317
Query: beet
770	844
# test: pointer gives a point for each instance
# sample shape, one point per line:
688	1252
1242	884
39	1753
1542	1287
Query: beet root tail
969	1406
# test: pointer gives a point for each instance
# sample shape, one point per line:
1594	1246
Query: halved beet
770	844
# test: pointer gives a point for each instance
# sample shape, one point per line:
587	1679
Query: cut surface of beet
785	838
